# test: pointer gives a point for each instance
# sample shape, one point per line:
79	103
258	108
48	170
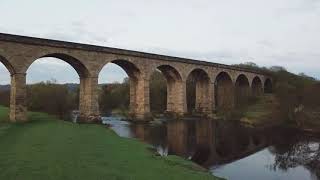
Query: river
230	150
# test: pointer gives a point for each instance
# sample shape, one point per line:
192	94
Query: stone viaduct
217	85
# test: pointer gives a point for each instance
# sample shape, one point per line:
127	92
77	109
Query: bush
5	97
51	98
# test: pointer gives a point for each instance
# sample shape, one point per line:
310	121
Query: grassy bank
47	148
307	119
263	112
4	114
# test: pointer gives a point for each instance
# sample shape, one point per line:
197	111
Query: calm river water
229	149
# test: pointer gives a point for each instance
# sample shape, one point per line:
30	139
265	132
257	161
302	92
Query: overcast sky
269	32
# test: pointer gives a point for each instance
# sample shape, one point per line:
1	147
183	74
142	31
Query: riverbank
264	112
258	112
307	119
47	148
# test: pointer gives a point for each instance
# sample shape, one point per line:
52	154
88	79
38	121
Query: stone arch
170	72
129	67
88	104
201	92
5	99
268	86
7	64
256	86
78	66
242	90
224	91
138	85
173	84
185	74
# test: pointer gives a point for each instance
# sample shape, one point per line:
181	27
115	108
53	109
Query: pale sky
269	32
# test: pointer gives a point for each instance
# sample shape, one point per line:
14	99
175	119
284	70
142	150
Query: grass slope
46	148
263	112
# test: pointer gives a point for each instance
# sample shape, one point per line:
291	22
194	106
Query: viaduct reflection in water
215	143
205	142
211	143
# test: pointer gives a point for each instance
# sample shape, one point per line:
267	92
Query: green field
47	148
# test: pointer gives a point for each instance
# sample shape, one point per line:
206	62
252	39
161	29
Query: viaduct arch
268	86
174	82
256	86
242	90
202	90
224	91
218	86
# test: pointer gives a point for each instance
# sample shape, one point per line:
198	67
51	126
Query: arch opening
268	86
6	65
75	63
5	86
158	92
198	97
164	83
53	86
257	87
242	90
224	92
118	81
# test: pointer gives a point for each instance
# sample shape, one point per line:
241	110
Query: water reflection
298	151
231	150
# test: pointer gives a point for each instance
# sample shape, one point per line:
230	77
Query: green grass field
47	148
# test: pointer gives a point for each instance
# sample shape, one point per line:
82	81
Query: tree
51	98
277	68
5	97
158	92
114	96
297	152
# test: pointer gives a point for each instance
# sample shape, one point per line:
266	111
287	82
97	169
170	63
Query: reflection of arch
201	80
242	89
256	139
140	131
78	66
224	91
172	78
256	86
7	64
177	137
268	86
205	139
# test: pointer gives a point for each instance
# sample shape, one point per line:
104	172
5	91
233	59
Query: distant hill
74	87
71	86
4	87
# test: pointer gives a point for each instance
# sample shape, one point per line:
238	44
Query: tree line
61	99
295	93
298	94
